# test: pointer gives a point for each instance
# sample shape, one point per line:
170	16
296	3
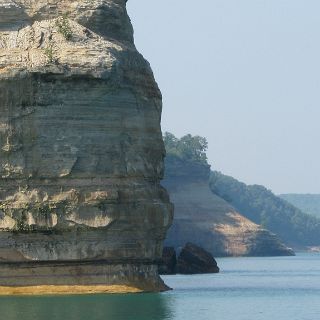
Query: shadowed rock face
81	151
195	260
169	261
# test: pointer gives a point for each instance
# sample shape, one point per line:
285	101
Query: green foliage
308	203
23	227
261	206
64	27
20	214
188	148
50	53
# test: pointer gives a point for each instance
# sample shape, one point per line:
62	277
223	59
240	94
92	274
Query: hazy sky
245	74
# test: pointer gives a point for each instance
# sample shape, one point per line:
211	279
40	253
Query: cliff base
79	278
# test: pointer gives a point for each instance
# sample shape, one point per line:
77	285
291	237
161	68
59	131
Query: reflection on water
92	307
285	288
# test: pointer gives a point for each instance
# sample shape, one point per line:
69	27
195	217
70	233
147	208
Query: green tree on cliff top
188	148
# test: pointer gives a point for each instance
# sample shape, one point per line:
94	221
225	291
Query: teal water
286	288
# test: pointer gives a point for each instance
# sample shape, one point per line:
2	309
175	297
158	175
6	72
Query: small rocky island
191	260
81	151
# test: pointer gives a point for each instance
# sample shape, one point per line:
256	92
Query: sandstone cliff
209	221
81	151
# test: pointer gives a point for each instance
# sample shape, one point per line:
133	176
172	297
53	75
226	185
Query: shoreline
67	290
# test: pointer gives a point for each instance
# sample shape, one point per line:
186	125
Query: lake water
286	288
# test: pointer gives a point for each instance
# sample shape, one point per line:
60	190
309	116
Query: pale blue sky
246	75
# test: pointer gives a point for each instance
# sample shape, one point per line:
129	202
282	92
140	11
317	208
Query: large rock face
81	151
209	221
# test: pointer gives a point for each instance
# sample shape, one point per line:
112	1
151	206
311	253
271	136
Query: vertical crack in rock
81	151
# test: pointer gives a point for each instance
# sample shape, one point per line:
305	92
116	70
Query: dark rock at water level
195	260
81	150
169	261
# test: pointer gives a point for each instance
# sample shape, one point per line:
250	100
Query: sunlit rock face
81	151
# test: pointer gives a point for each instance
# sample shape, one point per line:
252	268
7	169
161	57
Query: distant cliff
204	218
260	205
81	150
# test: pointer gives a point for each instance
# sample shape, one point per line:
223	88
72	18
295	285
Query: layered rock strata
81	151
208	221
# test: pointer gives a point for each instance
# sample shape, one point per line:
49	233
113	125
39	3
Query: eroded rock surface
81	151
